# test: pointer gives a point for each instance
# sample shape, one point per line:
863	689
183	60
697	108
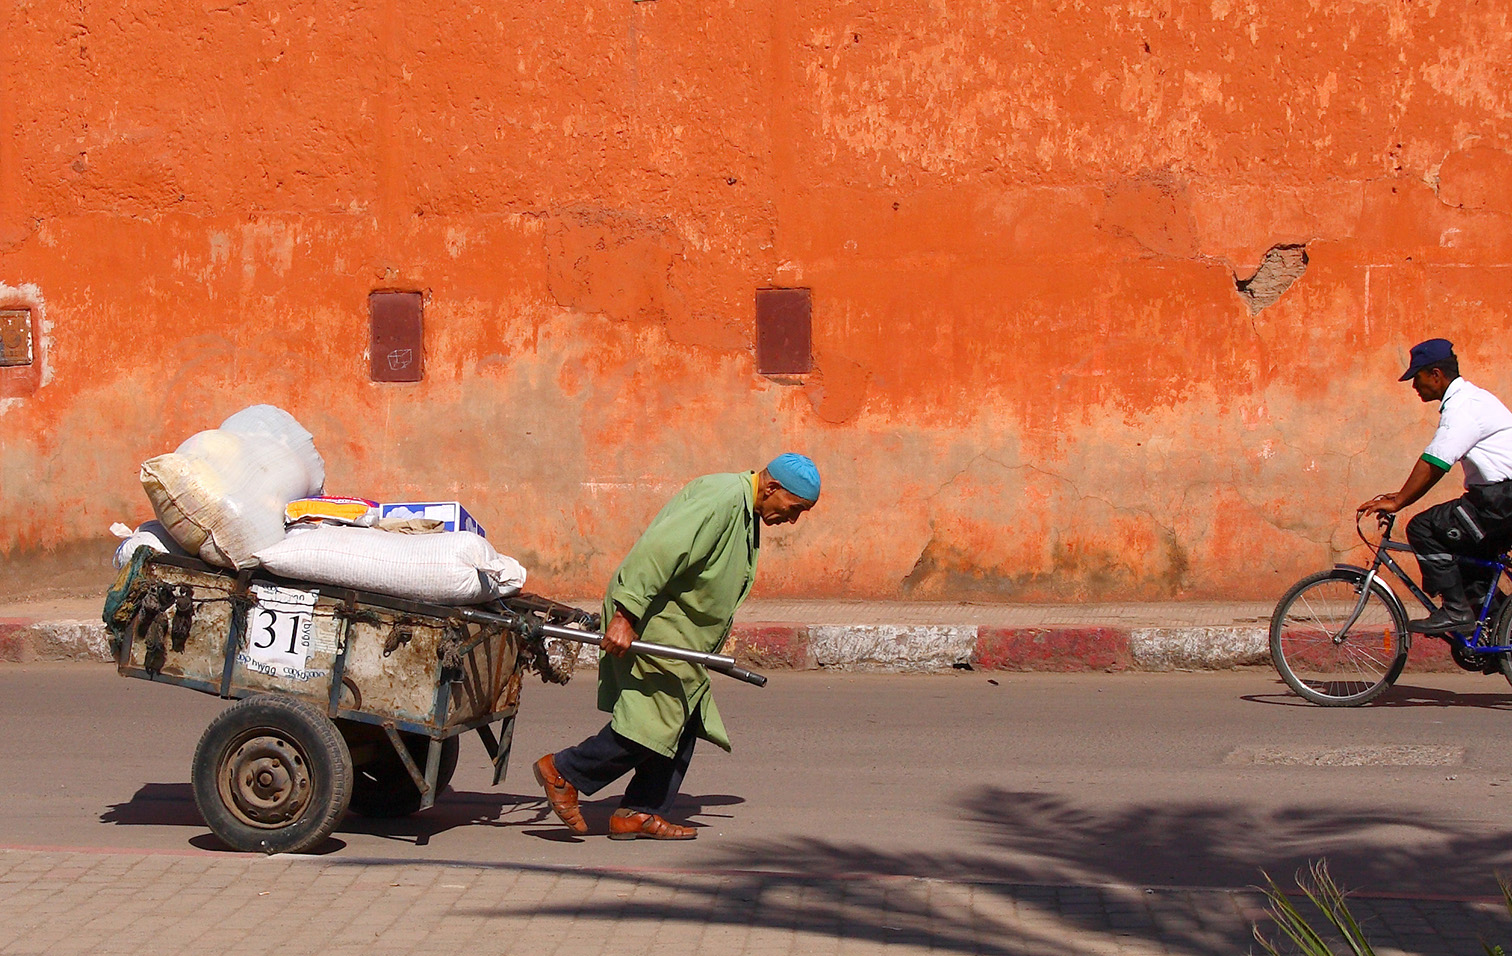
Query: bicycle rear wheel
1501	634
1326	663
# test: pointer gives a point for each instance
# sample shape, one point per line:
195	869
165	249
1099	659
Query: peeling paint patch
267	245
220	248
456	241
610	262
1477	178
1155	212
1282	265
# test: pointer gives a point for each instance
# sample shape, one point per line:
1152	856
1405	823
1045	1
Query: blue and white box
451	514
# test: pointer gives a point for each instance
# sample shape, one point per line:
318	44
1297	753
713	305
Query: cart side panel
309	680
384	663
402	681
488	682
202	656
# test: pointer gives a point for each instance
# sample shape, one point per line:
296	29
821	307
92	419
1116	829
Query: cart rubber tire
272	774
382	788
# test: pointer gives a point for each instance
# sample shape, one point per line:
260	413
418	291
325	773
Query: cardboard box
451	513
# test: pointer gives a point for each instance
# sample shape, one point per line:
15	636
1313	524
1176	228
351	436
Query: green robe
683	580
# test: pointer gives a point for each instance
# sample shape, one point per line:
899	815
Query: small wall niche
16	346
397	347
784	331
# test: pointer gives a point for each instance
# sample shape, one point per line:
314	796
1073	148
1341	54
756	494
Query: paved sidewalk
844	612
70	902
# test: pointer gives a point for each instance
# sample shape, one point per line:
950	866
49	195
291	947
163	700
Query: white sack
435	568
222	494
152	535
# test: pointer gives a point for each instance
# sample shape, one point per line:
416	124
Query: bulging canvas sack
151	534
222	493
436	568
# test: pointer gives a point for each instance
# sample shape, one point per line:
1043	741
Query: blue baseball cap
1425	354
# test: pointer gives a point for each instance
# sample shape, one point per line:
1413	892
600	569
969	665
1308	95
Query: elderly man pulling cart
353	685
679	586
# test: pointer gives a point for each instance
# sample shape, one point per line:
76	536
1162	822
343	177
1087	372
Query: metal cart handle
714	662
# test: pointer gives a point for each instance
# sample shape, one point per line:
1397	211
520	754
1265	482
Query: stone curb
878	648
23	641
910	648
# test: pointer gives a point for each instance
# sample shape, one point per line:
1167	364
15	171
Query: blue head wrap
796	473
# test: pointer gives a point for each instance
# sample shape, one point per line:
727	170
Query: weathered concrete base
882	647
23	641
1198	648
874	647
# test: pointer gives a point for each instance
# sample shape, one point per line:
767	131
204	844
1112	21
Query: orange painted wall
1022	224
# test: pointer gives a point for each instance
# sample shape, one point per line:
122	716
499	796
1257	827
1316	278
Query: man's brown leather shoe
562	795
625	825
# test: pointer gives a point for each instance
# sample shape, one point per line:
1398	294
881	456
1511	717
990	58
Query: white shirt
1475	429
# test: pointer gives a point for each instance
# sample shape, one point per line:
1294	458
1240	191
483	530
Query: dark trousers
606	756
1477	524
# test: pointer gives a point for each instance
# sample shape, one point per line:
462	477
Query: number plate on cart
278	633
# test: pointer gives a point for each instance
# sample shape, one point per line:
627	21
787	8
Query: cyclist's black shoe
1443	621
1455	615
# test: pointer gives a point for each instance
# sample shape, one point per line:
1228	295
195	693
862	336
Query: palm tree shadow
1048	870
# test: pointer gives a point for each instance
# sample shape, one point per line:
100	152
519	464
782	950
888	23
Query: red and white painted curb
904	648
874	647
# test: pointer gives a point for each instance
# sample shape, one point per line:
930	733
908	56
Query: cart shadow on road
1047	869
156	805
506	810
172	805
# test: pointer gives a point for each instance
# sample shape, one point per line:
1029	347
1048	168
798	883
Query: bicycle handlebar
1383	521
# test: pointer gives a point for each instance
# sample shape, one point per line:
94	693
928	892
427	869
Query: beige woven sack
222	493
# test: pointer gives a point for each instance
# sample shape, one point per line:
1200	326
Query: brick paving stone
104	903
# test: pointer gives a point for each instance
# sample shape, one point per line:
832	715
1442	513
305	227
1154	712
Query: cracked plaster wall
1023	225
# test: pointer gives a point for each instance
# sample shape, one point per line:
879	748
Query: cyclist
1475	429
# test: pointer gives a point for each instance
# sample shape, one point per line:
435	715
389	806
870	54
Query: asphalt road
1184	780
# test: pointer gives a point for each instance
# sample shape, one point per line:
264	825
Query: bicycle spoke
1360	652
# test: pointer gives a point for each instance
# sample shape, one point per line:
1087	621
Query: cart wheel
272	774
381	787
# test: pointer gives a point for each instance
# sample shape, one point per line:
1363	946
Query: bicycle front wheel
1327	653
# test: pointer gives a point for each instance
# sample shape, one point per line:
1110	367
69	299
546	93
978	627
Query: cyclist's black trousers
1478	524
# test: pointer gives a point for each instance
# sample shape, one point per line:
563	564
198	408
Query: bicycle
1339	638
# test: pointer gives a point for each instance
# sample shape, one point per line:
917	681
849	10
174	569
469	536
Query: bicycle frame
1384	559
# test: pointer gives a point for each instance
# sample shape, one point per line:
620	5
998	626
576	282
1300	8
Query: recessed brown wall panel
784	331
398	339
15	337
